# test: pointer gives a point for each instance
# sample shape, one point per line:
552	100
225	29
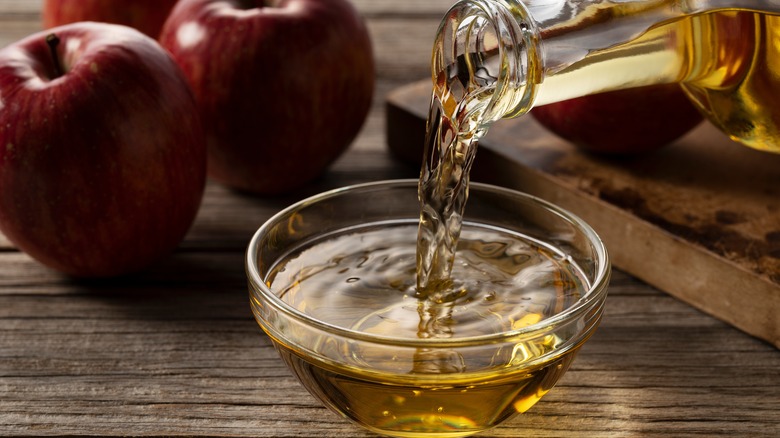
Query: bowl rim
595	294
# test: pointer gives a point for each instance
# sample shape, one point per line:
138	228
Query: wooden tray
699	219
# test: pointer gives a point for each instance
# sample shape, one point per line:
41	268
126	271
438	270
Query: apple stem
53	41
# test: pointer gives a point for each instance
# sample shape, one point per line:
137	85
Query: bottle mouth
487	51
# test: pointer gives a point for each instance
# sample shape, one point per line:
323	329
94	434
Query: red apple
102	157
147	16
624	121
283	86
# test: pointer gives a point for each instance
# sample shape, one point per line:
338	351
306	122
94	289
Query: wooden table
175	351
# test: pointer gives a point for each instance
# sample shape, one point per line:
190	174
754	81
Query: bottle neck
485	62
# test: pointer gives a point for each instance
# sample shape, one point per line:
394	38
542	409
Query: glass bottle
497	58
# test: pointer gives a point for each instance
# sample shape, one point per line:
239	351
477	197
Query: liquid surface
365	281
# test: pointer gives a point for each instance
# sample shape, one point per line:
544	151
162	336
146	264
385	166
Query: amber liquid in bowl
413	406
363	279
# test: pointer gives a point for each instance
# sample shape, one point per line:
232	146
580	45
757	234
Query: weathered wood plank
160	352
20	7
403	46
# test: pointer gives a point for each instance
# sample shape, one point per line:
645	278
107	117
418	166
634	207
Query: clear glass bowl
432	385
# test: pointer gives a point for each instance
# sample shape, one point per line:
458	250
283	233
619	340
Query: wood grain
174	351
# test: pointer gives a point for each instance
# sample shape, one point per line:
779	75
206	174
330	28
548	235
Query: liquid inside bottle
736	83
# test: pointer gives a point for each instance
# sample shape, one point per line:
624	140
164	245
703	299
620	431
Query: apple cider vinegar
364	280
736	83
728	62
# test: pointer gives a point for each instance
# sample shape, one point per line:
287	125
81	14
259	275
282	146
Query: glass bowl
332	283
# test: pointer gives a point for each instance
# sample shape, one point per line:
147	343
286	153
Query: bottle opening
485	57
